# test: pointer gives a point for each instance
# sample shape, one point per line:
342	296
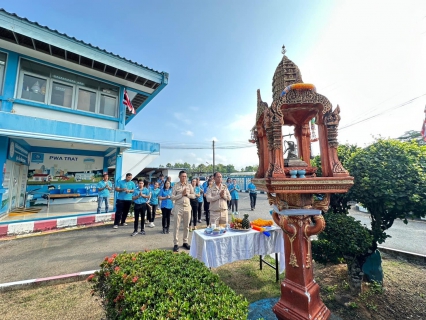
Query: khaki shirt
177	194
217	203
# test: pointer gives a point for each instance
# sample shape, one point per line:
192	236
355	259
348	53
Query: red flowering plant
163	285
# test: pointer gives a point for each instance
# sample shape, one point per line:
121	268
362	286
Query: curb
60	223
409	256
34	283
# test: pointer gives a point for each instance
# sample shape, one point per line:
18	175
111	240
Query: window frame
3	77
22	73
76	87
110	96
53	80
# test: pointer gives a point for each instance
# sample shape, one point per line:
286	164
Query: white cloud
187	133
242	123
181	117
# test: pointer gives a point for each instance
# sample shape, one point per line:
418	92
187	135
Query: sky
368	57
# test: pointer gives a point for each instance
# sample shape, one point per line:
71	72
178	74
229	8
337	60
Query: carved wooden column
299	292
331	120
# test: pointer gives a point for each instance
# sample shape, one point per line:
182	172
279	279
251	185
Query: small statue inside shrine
291	149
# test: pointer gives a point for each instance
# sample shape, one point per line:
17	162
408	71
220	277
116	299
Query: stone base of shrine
300	303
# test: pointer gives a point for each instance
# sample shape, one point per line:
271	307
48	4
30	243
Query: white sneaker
115	227
151	225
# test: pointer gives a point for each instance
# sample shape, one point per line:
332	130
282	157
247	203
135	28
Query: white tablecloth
215	251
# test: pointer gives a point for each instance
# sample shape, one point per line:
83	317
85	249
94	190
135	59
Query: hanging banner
17	153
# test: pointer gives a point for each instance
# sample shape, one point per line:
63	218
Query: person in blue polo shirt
125	189
140	196
234	188
154	204
104	187
253	195
166	206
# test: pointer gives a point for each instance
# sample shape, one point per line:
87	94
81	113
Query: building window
108	105
62	94
2	67
44	84
86	100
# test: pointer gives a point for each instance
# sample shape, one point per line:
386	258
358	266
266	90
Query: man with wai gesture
104	187
218	196
181	193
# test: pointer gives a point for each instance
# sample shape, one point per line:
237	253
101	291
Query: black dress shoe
175	248
186	246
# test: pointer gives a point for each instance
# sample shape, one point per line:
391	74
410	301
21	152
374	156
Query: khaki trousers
219	217
181	213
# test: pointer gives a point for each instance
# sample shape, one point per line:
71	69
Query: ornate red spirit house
298	196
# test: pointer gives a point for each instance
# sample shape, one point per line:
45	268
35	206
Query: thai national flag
128	103
423	132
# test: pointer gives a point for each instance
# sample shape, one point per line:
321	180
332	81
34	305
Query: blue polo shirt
197	190
104	193
166	203
251	187
130	185
140	200
154	196
234	193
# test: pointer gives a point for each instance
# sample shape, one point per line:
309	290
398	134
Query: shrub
343	237
164	285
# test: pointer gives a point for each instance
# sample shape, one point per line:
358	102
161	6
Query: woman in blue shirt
234	188
199	192
194	204
140	196
154	204
229	184
166	206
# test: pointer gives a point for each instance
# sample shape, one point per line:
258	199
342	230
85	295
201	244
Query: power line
378	114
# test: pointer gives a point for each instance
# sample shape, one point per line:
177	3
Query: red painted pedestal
299	292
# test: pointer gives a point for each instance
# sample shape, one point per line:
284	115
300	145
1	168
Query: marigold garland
299	86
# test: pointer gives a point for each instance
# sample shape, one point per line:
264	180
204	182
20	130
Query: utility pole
213	157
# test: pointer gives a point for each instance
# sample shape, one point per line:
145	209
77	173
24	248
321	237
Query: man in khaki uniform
181	193
218	195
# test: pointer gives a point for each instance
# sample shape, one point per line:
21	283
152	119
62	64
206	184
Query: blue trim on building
14	125
151	147
10	81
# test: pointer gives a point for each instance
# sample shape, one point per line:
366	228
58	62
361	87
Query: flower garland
299	86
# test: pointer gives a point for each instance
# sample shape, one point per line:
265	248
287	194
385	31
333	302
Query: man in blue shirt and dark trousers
125	189
104	187
253	195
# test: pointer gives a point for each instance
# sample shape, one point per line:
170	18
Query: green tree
412	135
168	165
338	201
390	181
